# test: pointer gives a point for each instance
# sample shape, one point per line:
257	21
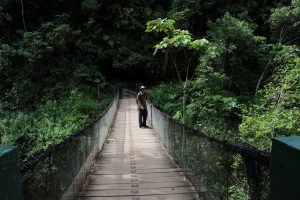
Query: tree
276	108
179	44
241	53
285	23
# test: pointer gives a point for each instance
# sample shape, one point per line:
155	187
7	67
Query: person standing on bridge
142	106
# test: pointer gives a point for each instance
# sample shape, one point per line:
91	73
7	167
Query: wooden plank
125	186
133	180
133	165
135	192
152	197
138	171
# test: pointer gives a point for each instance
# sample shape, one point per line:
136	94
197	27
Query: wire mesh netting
217	169
60	171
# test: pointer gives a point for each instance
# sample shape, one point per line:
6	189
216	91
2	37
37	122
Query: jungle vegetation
236	63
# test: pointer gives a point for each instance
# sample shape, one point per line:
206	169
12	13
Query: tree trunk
23	17
258	83
184	104
165	65
262	76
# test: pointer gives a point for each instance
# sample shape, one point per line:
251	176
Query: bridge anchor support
285	165
10	176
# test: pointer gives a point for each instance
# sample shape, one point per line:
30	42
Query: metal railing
60	171
217	169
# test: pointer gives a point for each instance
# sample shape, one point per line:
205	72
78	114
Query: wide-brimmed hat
142	87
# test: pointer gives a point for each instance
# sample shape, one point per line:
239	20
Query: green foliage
5	18
167	97
71	46
45	62
90	5
239	189
238	64
178	42
60	35
211	108
17	129
240	52
125	24
6	52
52	76
196	14
238	192
51	122
128	59
229	29
128	19
46	91
161	25
276	109
285	23
175	38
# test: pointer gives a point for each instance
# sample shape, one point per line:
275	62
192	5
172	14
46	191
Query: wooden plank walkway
133	165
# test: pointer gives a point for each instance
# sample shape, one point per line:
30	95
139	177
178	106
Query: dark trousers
142	117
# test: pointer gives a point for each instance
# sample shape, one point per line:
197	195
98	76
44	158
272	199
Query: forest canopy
242	87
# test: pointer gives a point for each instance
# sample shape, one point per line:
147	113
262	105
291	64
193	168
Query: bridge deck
133	165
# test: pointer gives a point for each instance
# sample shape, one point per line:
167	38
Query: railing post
285	165
227	173
167	134
151	106
52	179
183	149
174	141
10	177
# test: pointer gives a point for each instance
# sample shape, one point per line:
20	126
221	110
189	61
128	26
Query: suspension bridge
133	164
114	159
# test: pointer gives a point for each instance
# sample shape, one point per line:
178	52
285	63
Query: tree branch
23	17
165	65
262	76
281	34
176	68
